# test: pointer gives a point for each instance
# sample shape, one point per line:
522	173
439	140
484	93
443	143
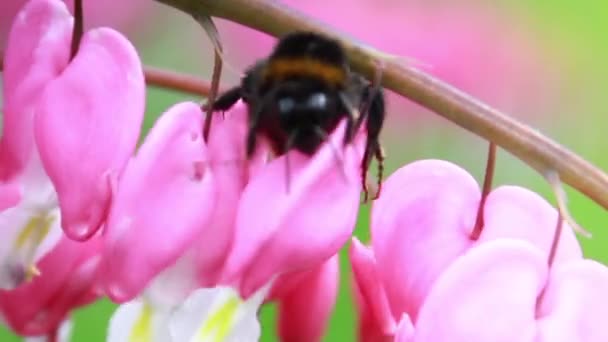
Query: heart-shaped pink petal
87	126
162	204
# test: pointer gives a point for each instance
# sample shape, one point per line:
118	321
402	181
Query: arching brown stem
166	79
556	237
175	81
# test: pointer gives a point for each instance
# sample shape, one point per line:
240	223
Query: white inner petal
173	285
138	321
30	229
218	315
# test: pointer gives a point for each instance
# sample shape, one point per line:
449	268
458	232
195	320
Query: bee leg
380	156
364	167
374	121
223	103
226	100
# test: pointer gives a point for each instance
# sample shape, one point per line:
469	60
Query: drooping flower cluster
192	238
444	285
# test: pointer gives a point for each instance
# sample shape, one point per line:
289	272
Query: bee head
306	115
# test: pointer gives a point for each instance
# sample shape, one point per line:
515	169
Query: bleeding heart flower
162	204
282	230
447	286
306	300
434	218
36	53
86	128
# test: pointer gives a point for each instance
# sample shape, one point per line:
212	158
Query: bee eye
317	101
286	104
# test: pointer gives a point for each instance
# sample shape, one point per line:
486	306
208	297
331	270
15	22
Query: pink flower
281	230
86	128
162	204
36	53
469	46
306	300
429	283
66	281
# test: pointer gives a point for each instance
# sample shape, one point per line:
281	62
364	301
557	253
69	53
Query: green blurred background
570	42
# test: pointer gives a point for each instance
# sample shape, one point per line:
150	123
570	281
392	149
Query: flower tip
117	293
79	231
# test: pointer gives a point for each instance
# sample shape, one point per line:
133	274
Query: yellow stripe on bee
307	67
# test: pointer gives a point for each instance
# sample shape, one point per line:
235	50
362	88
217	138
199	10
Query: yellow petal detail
142	329
217	327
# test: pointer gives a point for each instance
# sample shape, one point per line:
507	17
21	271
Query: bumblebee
297	96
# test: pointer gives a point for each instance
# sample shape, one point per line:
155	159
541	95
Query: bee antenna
339	160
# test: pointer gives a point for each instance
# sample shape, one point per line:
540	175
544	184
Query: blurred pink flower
281	230
86	128
121	15
306	300
66	281
429	282
162	204
478	50
37	51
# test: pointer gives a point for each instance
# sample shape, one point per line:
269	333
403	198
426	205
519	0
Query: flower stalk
526	143
485	191
78	29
